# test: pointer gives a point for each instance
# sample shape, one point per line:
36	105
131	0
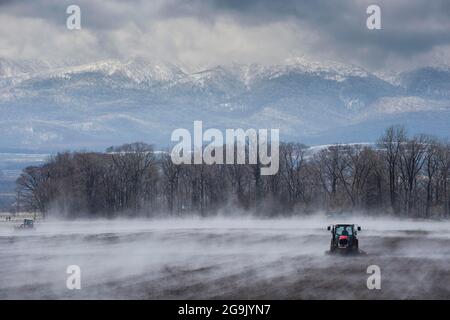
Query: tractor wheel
332	247
356	247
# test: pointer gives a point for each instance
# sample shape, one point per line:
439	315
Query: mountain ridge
58	105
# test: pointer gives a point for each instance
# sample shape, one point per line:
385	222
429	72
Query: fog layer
223	258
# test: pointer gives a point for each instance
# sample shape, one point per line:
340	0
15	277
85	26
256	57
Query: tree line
398	175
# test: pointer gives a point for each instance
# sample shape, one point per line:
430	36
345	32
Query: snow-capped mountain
10	68
428	82
61	105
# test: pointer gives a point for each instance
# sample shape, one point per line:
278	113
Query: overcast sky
211	32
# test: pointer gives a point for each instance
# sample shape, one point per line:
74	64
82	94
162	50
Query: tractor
344	238
28	224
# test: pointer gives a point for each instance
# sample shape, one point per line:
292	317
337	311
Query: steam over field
223	258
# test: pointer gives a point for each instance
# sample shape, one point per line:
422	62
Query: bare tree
412	157
408	175
390	144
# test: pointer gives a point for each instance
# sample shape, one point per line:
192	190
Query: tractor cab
27	224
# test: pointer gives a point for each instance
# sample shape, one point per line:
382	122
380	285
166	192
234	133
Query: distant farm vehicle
344	238
28	224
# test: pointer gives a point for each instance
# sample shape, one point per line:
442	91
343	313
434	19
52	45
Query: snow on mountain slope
403	104
137	70
329	70
10	68
60	104
429	82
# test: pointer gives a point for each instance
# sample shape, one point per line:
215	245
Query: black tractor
344	238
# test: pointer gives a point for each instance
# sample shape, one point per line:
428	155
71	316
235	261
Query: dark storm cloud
409	27
219	31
